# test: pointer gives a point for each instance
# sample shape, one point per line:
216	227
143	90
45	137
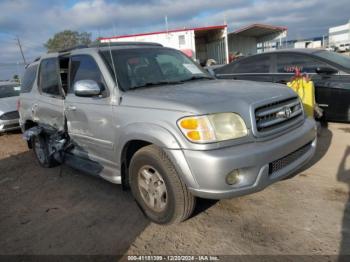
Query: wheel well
129	150
29	124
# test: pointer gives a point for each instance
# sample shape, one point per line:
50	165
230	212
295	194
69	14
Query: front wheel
157	187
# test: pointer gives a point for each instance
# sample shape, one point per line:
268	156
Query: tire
41	152
172	205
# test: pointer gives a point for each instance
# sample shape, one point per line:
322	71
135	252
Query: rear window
28	79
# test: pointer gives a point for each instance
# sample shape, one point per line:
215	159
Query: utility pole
166	24
20	48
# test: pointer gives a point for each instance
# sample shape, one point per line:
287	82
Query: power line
20	48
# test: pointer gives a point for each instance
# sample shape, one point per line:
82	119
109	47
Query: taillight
18	104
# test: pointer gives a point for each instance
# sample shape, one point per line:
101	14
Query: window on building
182	40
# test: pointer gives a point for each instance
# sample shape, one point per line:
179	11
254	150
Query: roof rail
124	44
73	48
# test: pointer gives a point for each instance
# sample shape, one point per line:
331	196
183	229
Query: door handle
71	108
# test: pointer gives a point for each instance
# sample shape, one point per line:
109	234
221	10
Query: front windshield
142	67
9	90
333	57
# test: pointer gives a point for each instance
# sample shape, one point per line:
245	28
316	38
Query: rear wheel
157	187
41	151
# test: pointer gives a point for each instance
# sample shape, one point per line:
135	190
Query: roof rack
124	44
109	44
73	48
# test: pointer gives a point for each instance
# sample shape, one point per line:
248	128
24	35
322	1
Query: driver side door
89	119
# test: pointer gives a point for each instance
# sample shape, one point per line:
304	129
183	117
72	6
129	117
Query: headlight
213	128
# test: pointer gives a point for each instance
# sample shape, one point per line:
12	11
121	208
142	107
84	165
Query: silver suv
151	119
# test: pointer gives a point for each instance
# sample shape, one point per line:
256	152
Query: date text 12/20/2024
173	258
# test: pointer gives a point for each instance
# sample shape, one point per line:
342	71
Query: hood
206	96
8	104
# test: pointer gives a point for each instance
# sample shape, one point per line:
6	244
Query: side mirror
326	71
86	88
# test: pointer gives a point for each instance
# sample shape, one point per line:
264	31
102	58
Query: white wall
339	35
166	39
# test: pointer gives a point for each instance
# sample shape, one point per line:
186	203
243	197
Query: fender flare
151	133
162	138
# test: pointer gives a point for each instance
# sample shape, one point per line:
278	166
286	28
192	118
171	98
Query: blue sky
34	21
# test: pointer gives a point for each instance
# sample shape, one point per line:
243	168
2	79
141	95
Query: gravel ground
61	211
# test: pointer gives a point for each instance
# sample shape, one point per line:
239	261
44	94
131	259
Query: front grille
281	163
10	115
277	114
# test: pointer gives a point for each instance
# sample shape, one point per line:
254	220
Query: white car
9	117
344	47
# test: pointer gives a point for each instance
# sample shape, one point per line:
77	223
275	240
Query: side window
256	64
49	79
84	67
287	63
28	79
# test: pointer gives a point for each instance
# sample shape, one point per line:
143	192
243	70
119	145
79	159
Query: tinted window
339	59
84	67
255	64
9	90
49	81
28	79
286	63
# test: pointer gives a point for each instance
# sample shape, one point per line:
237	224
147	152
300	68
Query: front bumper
9	125
210	168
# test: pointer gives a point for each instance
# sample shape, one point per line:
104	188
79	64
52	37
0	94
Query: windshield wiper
197	78
159	83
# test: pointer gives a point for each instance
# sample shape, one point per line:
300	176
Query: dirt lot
61	211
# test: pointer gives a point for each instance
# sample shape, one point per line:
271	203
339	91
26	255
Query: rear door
48	109
255	68
89	119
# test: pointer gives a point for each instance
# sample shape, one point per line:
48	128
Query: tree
67	39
